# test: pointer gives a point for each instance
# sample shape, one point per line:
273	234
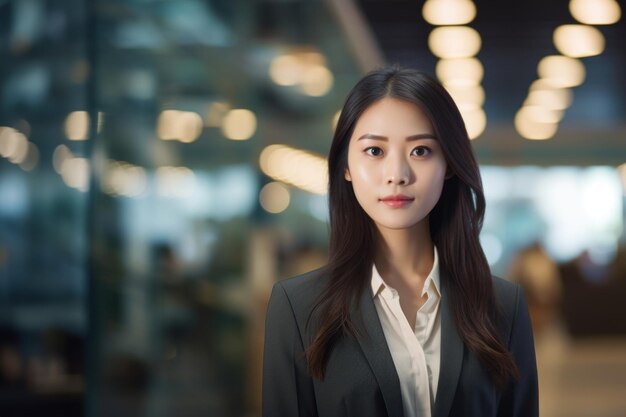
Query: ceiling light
449	12
454	42
166	126
460	71
561	71
75	173
550	98
300	168
532	129
467	97
239	124
274	197
578	41
475	122
542	114
77	125
20	148
285	70
60	154
32	158
189	126
316	81
595	12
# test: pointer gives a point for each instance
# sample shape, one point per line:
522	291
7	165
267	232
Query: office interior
162	165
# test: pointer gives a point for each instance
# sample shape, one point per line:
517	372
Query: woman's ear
346	175
449	173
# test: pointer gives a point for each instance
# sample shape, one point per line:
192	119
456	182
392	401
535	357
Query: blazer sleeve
287	386
521	397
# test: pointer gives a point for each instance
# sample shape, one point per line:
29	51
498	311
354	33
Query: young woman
405	319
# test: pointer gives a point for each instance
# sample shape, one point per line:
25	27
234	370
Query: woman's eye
374	151
420	151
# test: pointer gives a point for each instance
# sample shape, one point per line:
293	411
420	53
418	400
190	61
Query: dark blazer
361	378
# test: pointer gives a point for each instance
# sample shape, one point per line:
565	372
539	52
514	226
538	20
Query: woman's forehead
391	117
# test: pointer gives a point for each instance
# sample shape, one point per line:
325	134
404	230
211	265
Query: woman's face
395	164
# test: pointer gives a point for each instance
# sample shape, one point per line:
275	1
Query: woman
405	319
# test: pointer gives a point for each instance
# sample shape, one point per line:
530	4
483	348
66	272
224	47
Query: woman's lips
396	201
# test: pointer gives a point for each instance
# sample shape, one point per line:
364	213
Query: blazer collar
374	347
451	358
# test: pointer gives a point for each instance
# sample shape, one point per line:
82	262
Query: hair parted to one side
455	224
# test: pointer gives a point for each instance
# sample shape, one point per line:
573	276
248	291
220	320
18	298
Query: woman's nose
398	171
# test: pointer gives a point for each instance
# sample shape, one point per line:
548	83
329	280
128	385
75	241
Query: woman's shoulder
509	301
306	282
303	290
506	291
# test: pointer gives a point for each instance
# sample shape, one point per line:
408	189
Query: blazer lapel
451	359
374	346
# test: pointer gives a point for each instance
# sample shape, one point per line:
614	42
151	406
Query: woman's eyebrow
417	136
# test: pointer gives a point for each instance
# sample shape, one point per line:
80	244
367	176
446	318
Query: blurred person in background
539	275
405	319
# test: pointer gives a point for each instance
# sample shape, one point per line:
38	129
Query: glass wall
141	232
43	216
188	95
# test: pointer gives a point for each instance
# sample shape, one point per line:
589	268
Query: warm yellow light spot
167	125
75	173
7	141
578	41
179	125
189	126
60	154
561	71
454	42
285	70
460	72
532	129
274	197
19	150
549	97
311	58
77	125
32	158
317	80
300	168
542	114
595	12
305	70
467	97
239	124
121	178
449	12
475	122
13	144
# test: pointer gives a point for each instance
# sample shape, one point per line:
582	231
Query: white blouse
416	352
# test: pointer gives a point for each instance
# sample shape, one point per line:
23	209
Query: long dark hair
455	224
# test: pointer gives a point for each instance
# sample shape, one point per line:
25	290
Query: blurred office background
162	165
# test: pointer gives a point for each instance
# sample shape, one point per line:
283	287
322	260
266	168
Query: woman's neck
404	257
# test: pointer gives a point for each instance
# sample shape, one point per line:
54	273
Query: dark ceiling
515	36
